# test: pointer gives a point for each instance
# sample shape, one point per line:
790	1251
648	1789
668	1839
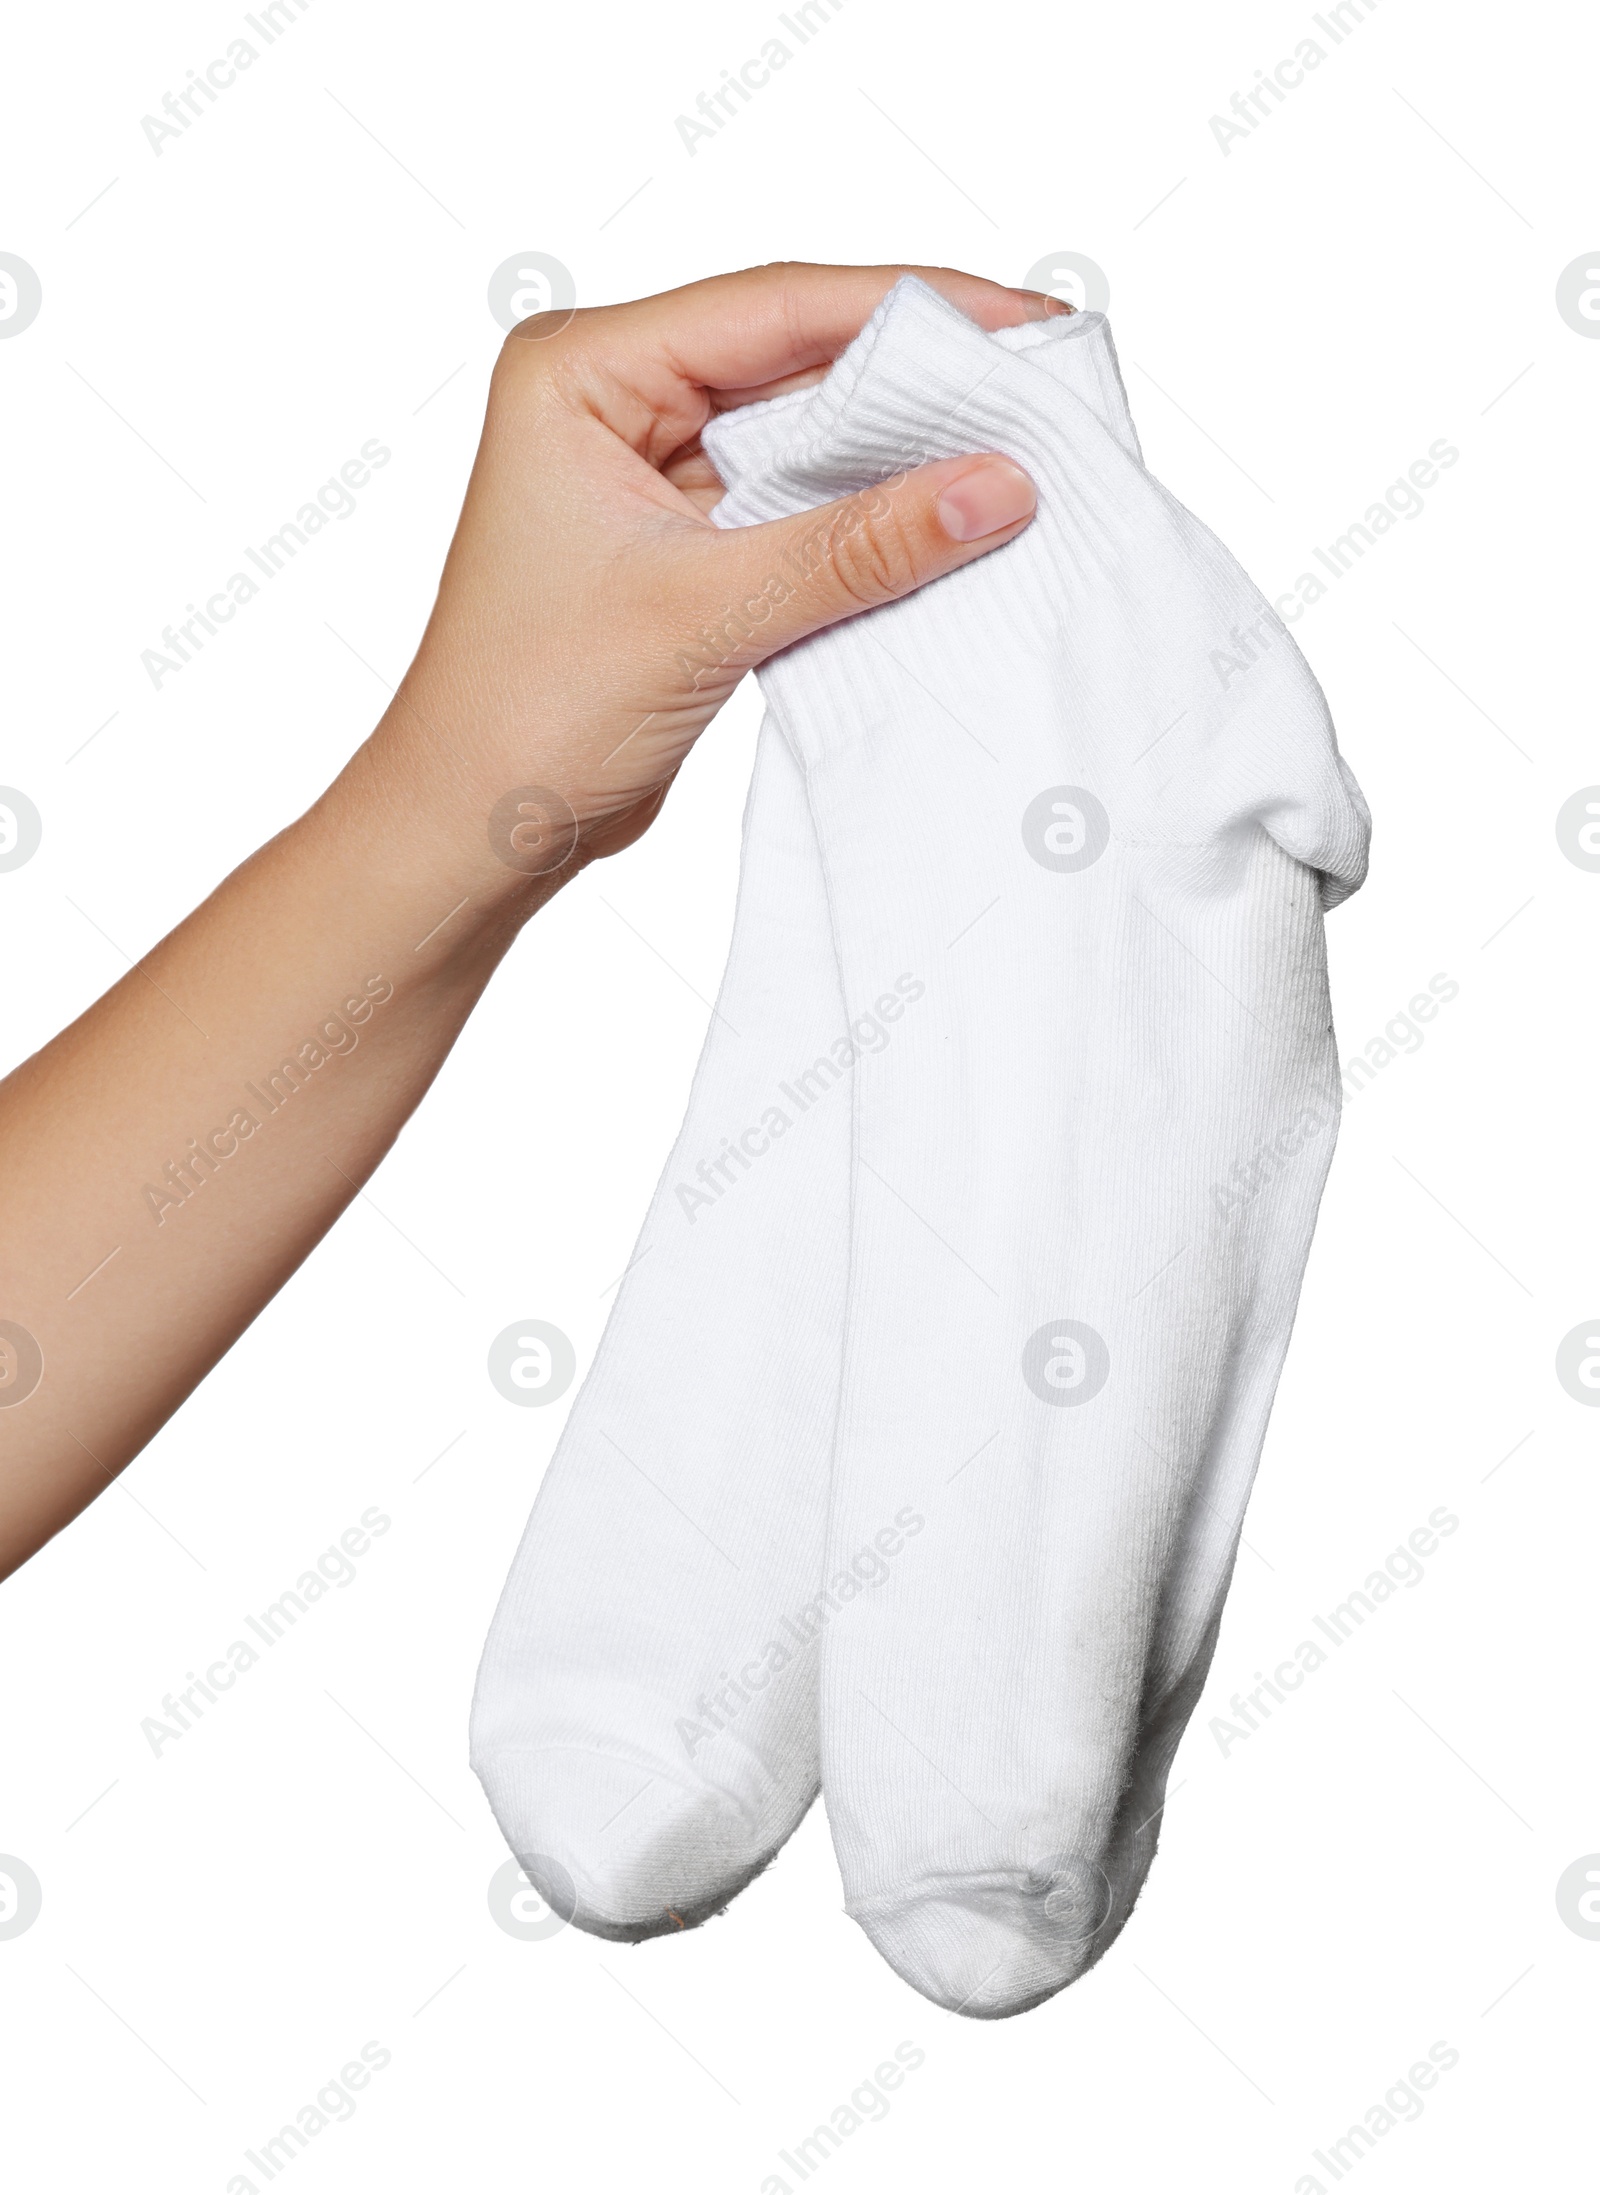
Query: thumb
872	547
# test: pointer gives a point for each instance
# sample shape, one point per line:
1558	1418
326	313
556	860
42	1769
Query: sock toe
985	1949
619	1849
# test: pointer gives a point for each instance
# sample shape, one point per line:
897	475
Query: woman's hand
591	620
266	1054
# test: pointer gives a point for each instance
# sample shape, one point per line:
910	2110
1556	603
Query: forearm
172	1156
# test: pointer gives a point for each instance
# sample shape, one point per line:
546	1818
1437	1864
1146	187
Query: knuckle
543	343
540	327
873	553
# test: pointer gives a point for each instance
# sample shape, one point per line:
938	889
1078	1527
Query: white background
1371	1872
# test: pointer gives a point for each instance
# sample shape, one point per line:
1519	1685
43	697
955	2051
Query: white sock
1090	1159
645	1715
613	1659
645	1722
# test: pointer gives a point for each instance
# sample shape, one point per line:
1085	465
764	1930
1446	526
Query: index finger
741	331
733	336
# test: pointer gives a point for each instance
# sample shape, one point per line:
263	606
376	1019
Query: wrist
468	863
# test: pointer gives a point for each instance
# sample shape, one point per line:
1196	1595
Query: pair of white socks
914	1457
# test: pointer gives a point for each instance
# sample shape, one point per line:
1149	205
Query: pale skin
590	622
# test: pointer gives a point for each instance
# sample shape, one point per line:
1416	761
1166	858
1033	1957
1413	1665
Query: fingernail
1043	305
994	494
